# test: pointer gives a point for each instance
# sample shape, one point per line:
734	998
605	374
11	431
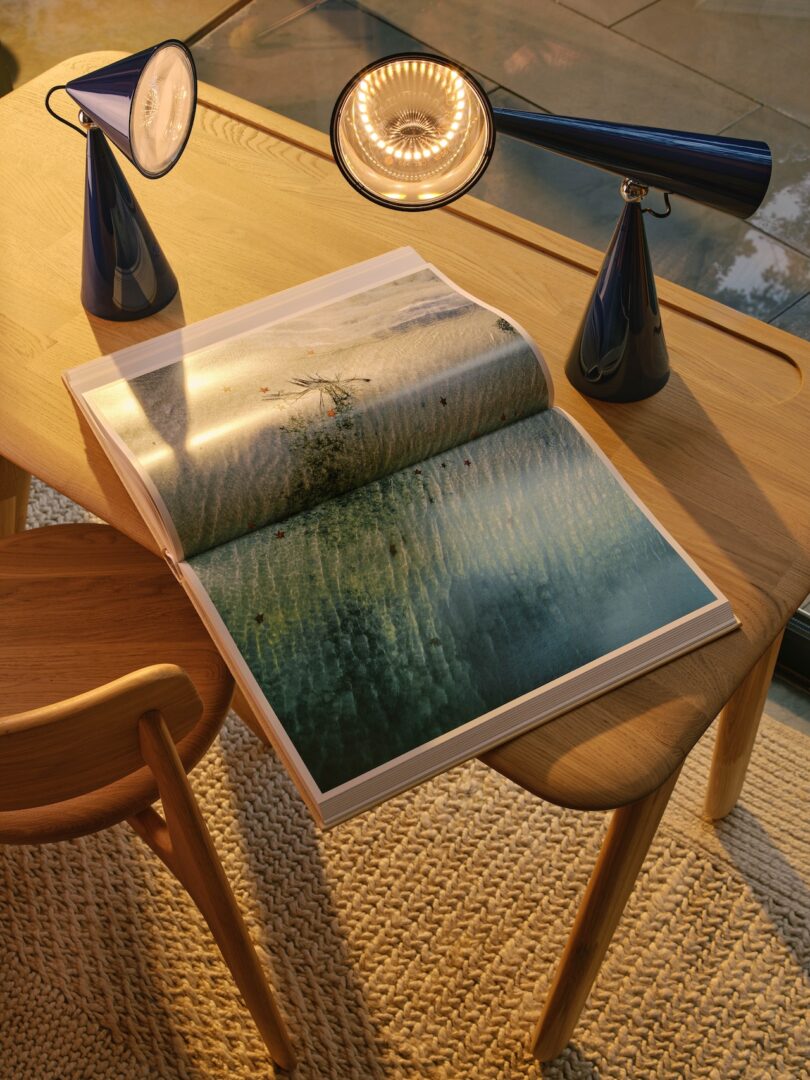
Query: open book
404	552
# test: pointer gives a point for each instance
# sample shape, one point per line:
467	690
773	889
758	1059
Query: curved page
250	430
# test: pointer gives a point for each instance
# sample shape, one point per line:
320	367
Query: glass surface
162	110
413	132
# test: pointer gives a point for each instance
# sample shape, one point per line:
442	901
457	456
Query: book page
247	431
383	620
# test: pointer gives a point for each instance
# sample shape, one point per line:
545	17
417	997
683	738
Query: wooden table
256	205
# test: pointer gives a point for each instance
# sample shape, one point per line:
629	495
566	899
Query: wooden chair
96	730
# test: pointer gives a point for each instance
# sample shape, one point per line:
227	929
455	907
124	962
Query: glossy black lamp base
619	353
125	274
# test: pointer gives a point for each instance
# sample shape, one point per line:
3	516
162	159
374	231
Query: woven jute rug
417	940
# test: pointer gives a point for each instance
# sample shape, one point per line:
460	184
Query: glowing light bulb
162	110
421	140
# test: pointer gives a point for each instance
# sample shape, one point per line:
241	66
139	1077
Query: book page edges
521	716
138	484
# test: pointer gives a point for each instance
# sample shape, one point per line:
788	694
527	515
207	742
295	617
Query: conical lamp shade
619	353
727	174
107	97
125	274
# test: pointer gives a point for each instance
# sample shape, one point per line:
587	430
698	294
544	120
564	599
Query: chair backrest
82	744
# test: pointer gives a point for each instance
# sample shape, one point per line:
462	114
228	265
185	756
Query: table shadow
301	931
761	864
573	1064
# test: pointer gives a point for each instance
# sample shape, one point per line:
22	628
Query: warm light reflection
154	457
199	381
208	435
413	132
127	405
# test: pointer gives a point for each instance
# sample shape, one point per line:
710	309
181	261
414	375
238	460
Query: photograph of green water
255	428
393	614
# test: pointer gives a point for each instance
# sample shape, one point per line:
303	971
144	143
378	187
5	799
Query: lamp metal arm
725	173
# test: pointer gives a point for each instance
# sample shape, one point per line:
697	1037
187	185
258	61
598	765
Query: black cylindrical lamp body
125	274
619	352
728	174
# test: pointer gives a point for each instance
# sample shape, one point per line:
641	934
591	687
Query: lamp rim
365	192
155	48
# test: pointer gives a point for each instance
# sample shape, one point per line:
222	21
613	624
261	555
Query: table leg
14	484
246	715
736	732
623	851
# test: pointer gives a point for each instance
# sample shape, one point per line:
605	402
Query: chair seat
83	605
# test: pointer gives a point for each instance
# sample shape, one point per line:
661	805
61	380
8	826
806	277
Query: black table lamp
414	132
145	105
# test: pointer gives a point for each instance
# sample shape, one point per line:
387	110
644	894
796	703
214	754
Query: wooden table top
256	205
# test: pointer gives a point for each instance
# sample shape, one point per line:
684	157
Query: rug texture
417	940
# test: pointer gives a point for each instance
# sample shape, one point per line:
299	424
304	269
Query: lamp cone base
619	353
125	274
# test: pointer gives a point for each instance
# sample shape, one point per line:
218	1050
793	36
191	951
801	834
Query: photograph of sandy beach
261	426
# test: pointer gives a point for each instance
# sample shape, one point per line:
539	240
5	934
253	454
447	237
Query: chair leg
623	851
184	844
14	485
736	732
